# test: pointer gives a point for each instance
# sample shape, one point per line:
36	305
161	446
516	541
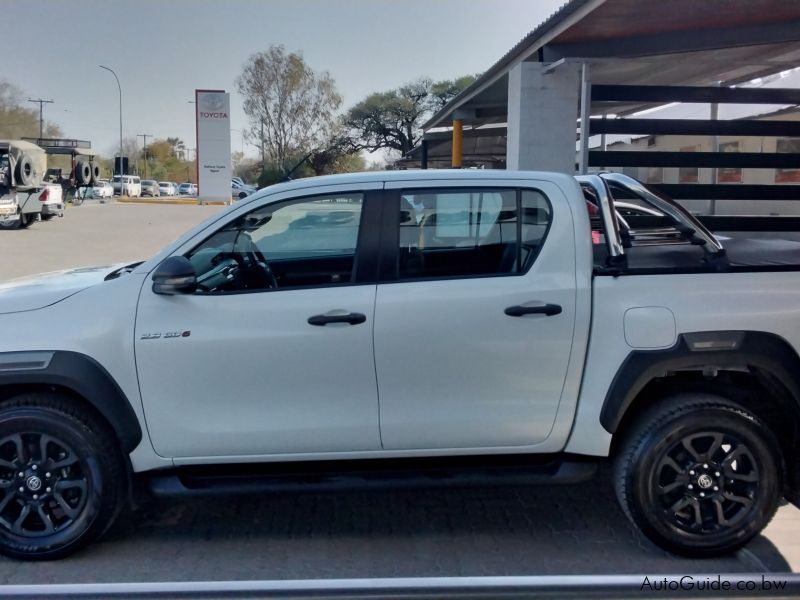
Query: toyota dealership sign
213	144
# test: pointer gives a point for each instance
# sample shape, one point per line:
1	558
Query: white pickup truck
24	195
434	326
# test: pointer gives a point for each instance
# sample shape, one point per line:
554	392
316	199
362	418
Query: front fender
81	375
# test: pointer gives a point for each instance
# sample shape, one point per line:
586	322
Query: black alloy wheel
707	481
62	477
699	475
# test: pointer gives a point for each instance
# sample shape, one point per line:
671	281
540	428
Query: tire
47	217
11	225
95	172
56	446
689	458
26	221
26	172
83	173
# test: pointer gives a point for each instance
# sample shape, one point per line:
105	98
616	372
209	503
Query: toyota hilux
435	326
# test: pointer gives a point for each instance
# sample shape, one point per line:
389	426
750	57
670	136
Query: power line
41	104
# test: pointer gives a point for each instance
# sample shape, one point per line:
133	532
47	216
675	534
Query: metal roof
66	146
20	145
637	42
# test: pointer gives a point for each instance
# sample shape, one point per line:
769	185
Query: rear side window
467	233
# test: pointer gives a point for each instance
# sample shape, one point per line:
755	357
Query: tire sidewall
645	505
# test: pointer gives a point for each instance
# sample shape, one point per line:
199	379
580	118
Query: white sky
163	50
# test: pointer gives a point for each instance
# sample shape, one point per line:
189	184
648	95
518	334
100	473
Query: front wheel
62	477
11	225
699	475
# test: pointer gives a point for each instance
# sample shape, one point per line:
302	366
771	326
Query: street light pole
41	104
120	125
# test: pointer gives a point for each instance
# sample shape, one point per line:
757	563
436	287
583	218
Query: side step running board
185	482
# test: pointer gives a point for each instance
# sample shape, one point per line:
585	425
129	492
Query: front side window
463	233
299	243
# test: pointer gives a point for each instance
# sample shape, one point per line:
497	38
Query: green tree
447	89
270	175
393	119
290	108
18	121
165	159
178	148
248	169
336	156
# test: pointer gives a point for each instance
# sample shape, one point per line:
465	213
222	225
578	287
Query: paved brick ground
575	529
96	234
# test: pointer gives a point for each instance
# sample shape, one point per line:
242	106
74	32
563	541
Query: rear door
475	313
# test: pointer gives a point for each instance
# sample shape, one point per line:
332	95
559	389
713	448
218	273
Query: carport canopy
632	43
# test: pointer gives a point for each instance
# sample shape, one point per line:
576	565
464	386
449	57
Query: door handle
350	318
543	309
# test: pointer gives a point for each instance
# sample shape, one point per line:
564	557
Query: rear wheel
699	475
62	477
26	221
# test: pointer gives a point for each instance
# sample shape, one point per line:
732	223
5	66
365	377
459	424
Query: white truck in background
24	195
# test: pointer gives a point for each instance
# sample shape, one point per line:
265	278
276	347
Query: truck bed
744	251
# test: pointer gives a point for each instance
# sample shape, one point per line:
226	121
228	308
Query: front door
274	353
474	316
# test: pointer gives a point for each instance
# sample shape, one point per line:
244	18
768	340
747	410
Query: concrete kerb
187	201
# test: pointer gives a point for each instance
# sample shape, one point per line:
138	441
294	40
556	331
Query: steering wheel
226	268
258	264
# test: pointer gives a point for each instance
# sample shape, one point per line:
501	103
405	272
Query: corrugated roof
525	45
697	43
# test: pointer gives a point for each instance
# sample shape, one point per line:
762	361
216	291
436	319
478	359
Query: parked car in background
187	189
239	189
131	185
150	187
102	189
167	188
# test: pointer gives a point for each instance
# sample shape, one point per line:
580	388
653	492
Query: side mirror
175	275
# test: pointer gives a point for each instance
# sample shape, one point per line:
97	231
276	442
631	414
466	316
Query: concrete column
586	101
542	117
